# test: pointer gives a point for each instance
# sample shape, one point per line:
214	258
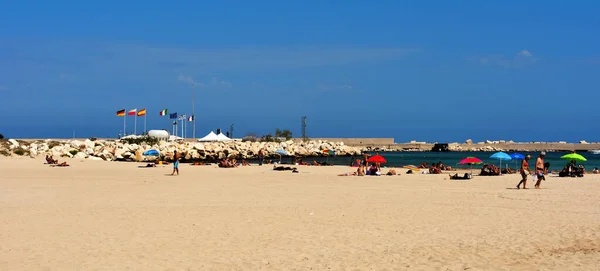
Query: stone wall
355	141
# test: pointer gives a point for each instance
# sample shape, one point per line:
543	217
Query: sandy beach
97	215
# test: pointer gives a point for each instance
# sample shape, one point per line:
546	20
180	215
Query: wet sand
97	215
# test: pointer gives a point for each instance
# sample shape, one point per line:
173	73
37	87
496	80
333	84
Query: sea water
399	159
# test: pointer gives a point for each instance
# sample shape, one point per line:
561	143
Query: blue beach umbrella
151	153
501	156
517	156
281	153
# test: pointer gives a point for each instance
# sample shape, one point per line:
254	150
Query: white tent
210	137
222	137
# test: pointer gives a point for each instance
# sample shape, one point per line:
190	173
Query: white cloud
520	59
189	80
214	81
524	53
342	87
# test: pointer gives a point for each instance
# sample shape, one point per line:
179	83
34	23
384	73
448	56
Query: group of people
539	174
54	163
435	168
571	169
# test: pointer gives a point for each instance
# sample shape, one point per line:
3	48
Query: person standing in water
175	163
524	168
540	170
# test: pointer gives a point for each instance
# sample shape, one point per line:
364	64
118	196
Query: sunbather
63	164
489	170
50	160
360	171
282	168
467	176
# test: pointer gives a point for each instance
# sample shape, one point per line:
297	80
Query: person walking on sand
261	156
175	163
524	167
539	169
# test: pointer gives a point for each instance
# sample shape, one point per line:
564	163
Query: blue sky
412	70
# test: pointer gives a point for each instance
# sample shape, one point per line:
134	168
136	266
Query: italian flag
164	112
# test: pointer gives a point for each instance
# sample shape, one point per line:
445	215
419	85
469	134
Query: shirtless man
539	169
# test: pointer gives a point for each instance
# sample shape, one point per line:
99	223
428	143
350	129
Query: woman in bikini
524	167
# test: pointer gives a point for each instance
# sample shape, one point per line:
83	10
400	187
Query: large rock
13	142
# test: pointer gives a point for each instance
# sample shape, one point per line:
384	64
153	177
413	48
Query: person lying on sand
360	171
392	172
595	171
147	165
63	164
507	171
282	168
424	165
467	176
50	160
245	163
226	164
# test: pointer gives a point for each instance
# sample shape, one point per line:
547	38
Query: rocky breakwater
116	150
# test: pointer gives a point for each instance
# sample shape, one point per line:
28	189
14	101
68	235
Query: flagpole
135	123
145	117
193	114
125	123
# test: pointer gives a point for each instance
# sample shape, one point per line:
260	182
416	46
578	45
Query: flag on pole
182	117
173	116
164	112
121	113
191	118
141	112
132	112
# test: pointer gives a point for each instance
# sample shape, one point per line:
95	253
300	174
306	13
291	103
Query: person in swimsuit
524	168
260	157
175	163
539	169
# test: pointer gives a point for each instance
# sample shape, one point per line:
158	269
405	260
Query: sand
99	215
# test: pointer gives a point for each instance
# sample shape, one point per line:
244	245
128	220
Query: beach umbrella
517	156
376	159
470	161
328	152
574	156
281	153
151	153
502	156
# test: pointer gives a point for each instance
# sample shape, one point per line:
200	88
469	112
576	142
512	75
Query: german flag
141	112
121	113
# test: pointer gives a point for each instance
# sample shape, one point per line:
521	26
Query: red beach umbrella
470	160
376	159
